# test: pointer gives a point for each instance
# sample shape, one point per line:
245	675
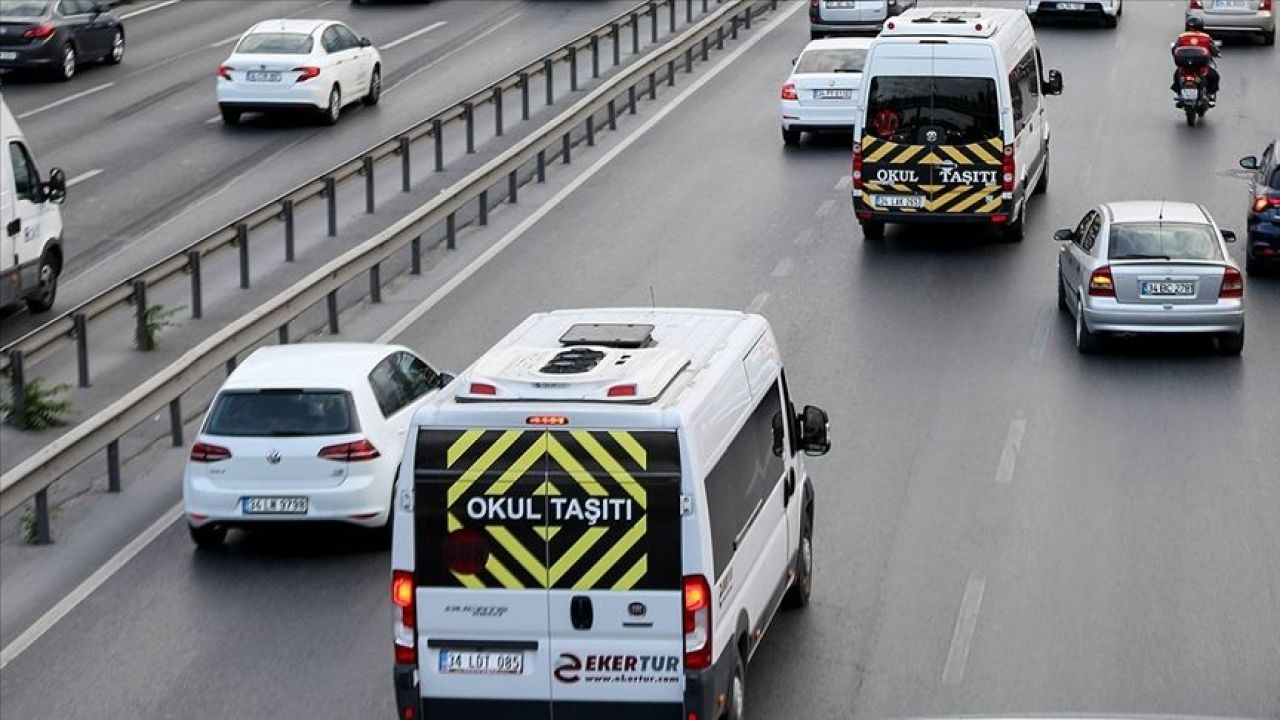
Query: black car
1262	248
56	36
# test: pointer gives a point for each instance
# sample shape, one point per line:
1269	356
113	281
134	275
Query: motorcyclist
1195	36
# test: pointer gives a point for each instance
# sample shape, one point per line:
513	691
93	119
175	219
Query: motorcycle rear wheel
1191	116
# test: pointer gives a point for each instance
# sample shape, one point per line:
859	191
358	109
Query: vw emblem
274	457
931	136
831	83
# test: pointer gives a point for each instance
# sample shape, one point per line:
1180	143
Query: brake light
405	615
1196	5
627	390
1008	168
224	71
206	453
39	32
1101	284
1262	202
697	623
1232	284
857	166
1264	5
789	92
306	72
482	389
546	420
357	451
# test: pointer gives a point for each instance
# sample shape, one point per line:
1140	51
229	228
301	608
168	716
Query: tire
1269	39
47	286
790	138
1231	344
1087	341
375	88
798	594
872	230
1191	116
1109	21
333	111
1042	185
815	35
1016	229
229	116
736	698
1063	305
208	537
70	61
115	55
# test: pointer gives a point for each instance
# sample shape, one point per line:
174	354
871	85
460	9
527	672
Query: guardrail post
415	256
688	11
631	100
567	143
140	334
720	37
705	48
42	535
242	243
671	5
671	73
548	73
524	96
437	137
331	306
175	421
746	19
366	166
613	116
287	213
704	6
282	334
542	166
469	114
483	218
513	186
595	57
573	69
80	328
591	131
617	41
688	60
451	232
18	385
733	27
113	466
497	111
375	284
331	194
406	182
197	288
653	86
653	26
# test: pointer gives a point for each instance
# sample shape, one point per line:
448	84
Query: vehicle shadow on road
310	541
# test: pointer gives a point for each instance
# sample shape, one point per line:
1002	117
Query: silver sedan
1150	267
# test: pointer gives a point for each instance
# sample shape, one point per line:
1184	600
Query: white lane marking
783	268
492	251
214	119
65	100
452	52
844	182
1044	324
757	302
412	35
84	176
825	208
226	41
149	8
962	636
84	589
804	239
1012	444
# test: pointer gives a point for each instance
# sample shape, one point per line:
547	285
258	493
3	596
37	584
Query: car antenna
653	302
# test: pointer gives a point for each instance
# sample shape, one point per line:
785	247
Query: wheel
1063	305
116	54
790	138
1015	229
208	537
229	116
1087	342
1269	38
333	110
1231	344
872	229
798	594
46	286
67	69
1042	185
1191	116
375	88
737	695
815	35
1109	21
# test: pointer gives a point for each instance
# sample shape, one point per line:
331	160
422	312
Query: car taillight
1007	170
857	166
405	614
206	453
39	32
789	92
1262	202
224	71
1232	284
349	452
697	623
1101	284
1264	5
307	72
1196	5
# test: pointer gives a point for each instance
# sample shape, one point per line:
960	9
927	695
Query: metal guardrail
71	324
32	477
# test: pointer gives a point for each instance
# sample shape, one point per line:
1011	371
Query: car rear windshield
282	413
900	109
23	8
275	44
831	61
1175	241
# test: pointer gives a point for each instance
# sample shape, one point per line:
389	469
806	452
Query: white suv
304	432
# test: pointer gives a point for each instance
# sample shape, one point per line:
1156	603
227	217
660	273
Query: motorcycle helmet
1195	23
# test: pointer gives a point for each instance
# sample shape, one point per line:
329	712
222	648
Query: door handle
581	614
14	227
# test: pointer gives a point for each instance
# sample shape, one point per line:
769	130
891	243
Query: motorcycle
1193	97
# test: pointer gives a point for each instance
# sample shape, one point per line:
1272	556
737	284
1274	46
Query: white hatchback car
318	65
306	432
822	93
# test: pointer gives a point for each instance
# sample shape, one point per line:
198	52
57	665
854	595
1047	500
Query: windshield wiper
1140	257
845	70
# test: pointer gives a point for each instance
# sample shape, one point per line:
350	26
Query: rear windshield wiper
1139	257
845	70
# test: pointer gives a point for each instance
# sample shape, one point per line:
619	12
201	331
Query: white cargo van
951	125
30	222
600	518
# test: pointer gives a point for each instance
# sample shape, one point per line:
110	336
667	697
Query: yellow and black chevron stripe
576	509
924	160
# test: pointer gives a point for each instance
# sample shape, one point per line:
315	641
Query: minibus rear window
902	109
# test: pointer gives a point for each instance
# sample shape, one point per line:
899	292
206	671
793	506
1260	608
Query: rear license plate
275	505
898	201
1190	94
1073	6
455	662
262	76
841	4
1228	5
837	94
1168	288
8	56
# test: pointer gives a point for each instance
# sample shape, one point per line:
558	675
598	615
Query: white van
951	121
30	222
600	518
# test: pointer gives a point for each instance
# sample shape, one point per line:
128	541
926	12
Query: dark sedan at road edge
57	36
1262	251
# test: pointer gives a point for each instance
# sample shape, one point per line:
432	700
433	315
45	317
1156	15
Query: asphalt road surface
1004	526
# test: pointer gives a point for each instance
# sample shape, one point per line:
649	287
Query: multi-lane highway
1004	525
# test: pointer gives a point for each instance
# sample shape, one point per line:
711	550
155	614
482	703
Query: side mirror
55	190
814	431
1249	162
1065	235
366	42
1054	85
1229	235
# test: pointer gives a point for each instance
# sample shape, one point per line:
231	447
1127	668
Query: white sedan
822	92
317	65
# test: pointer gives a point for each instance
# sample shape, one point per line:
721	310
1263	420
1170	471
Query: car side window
788	416
418	377
329	40
1091	234
390	392
346	37
1078	236
1024	90
25	177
